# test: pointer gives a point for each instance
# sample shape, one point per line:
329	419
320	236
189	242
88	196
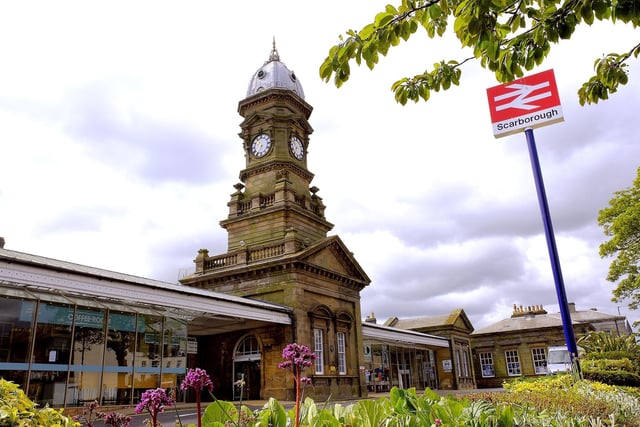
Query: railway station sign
529	102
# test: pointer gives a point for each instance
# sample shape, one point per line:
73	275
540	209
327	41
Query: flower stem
199	408
297	380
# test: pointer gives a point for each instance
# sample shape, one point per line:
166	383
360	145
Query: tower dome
274	75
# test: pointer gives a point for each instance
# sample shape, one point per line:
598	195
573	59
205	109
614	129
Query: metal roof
32	276
548	320
400	337
274	74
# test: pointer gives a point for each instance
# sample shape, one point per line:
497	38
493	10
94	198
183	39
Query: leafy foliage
603	342
609	374
554	403
507	37
621	222
561	394
611	359
16	409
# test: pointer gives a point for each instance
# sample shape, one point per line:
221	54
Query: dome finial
274	52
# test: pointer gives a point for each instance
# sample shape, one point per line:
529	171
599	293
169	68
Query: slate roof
548	320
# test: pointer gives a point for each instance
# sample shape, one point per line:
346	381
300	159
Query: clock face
260	145
297	149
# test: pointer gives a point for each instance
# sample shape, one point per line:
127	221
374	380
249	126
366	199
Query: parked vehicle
559	359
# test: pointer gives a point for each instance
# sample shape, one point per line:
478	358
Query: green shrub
16	409
606	364
561	394
620	371
618	354
612	377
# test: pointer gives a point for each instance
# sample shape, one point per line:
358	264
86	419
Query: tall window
486	365
319	351
462	360
513	363
16	328
539	357
342	356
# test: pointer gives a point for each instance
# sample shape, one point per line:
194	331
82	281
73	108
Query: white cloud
119	149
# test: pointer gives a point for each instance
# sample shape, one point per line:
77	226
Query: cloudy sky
119	150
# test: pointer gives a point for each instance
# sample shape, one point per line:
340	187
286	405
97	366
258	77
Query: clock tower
279	251
274	199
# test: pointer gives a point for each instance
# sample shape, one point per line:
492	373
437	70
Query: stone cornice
274	95
277	165
237	274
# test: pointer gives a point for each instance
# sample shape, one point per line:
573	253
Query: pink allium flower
153	400
115	419
197	379
296	358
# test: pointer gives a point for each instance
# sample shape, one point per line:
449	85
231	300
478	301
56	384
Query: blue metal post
551	246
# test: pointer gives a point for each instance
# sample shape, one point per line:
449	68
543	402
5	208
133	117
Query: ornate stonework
279	251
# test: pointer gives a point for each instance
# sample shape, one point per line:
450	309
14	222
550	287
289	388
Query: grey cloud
83	219
173	258
414	286
151	149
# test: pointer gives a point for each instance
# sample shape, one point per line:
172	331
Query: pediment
460	320
332	255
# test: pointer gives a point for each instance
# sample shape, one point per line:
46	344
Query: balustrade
220	261
266	252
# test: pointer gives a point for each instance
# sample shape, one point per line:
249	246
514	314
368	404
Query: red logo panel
523	96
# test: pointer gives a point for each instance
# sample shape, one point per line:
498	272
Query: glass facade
389	366
64	352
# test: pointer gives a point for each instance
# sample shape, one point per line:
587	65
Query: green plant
16	409
602	342
584	399
296	358
154	401
197	379
89	413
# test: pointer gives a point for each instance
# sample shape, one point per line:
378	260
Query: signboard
63	315
367	352
529	102
192	345
446	365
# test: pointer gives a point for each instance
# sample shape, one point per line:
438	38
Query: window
247	347
462	360
319	351
342	356
467	365
486	365
539	357
513	363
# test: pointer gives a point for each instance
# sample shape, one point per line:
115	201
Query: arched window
247	349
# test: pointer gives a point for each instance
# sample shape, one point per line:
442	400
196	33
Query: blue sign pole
553	250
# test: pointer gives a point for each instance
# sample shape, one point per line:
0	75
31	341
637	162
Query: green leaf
219	411
273	413
493	48
435	11
369	412
383	18
367	31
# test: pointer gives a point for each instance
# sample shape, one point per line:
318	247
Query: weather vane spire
274	56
